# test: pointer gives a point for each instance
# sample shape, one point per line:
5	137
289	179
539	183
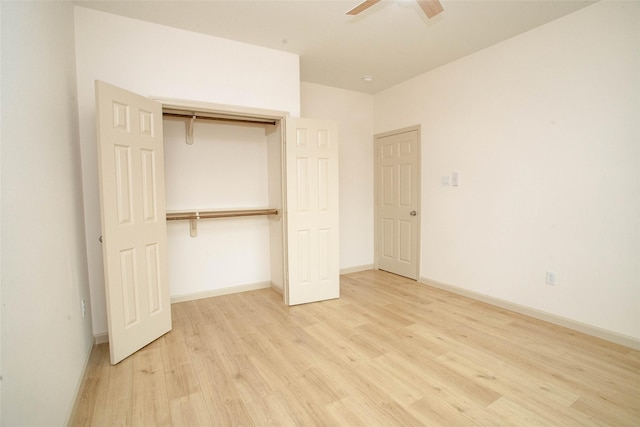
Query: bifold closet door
132	202
312	211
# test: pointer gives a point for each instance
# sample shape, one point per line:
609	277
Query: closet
223	180
268	173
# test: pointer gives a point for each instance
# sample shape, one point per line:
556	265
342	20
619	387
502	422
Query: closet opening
224	200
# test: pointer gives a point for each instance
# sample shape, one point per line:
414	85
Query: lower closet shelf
175	216
194	216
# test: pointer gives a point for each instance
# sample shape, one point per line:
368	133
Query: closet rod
221	119
176	216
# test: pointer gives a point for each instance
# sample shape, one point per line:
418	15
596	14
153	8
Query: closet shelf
191	215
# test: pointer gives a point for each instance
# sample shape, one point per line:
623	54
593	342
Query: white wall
354	113
544	130
45	340
0	223
154	60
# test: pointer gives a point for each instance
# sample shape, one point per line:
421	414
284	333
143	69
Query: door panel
312	211
397	196
131	171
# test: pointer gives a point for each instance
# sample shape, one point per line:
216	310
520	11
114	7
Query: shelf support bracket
189	125
193	225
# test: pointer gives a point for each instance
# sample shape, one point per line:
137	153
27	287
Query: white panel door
132	201
397	203
312	211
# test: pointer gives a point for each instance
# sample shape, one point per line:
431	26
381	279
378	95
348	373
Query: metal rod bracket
193	227
189	124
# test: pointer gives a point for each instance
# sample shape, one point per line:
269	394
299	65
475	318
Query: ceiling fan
430	7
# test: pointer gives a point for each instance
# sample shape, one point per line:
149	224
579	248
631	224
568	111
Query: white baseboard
276	287
538	314
356	269
220	292
100	338
81	380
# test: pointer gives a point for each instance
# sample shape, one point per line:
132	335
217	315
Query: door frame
277	223
376	213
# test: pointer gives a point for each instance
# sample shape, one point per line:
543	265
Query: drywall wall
0	223
45	339
353	111
154	60
544	130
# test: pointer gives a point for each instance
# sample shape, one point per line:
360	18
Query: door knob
413	213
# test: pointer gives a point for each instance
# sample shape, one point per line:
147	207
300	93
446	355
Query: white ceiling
392	41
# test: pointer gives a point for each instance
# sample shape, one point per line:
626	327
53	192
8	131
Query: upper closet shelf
190	118
190	111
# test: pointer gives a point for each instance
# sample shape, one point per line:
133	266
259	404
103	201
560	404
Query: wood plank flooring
389	352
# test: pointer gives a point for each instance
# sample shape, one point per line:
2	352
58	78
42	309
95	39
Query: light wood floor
389	352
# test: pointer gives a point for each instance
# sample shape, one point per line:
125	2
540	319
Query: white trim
101	338
229	110
79	385
538	314
398	131
276	287
356	269
219	292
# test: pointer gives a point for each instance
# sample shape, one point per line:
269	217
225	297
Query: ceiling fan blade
430	7
366	4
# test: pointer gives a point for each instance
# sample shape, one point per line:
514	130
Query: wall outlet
444	180
551	278
84	308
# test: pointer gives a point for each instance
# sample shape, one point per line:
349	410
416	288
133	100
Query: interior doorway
397	202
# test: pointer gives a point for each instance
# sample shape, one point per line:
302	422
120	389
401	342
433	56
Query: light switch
444	180
454	179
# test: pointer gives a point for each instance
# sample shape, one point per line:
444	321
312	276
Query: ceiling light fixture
367	79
